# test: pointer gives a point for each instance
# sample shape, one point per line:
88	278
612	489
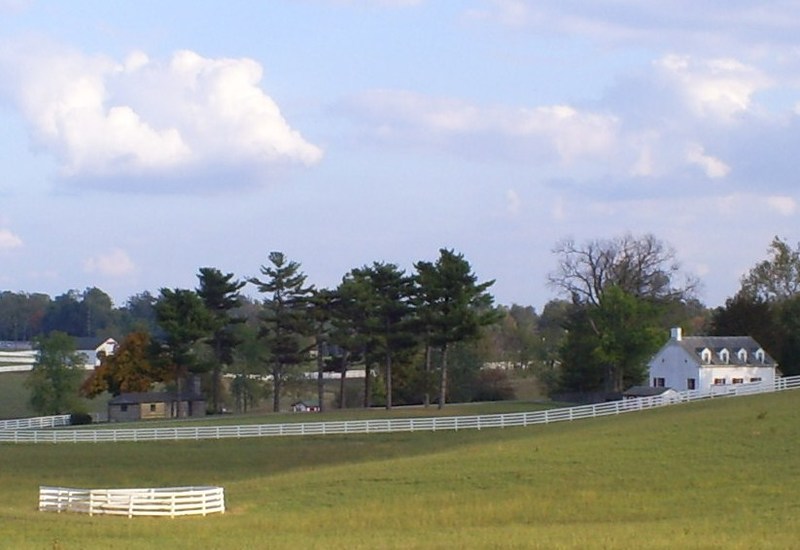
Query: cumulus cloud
722	88
114	263
680	118
141	118
9	240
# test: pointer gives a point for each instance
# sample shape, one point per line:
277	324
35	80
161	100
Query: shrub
493	385
80	418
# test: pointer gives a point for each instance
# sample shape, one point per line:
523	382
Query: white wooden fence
165	501
35	423
388	425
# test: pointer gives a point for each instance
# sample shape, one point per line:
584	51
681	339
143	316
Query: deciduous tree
56	375
131	368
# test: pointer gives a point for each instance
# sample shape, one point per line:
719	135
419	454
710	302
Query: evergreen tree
185	321
220	295
453	304
285	323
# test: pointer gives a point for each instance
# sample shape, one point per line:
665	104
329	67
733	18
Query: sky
143	140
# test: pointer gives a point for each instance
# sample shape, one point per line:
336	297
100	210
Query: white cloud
721	88
559	133
785	206
713	167
9	240
114	263
149	118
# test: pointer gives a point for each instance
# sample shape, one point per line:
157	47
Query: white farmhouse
710	362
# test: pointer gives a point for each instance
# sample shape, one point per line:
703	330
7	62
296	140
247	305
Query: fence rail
164	501
35	423
387	425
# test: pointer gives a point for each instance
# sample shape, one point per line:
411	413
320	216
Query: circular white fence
164	501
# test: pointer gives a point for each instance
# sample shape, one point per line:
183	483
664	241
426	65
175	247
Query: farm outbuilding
306	406
155	405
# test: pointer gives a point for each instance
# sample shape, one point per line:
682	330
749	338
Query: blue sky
144	140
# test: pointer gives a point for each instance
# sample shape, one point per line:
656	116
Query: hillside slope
720	473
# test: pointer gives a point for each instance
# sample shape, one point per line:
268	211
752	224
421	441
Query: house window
724	356
658	382
738	380
760	355
742	355
152	407
705	355
719	381
691	384
123	408
755	379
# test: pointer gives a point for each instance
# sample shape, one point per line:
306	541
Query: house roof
153	397
694	345
645	391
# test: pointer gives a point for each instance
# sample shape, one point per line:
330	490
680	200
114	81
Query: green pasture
714	474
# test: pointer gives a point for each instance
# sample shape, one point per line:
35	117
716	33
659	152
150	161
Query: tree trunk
443	378
367	387
426	398
276	387
320	378
342	381
388	380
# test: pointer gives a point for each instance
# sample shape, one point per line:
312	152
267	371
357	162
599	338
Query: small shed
155	405
305	406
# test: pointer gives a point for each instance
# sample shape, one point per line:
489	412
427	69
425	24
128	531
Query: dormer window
705	356
724	356
761	356
742	355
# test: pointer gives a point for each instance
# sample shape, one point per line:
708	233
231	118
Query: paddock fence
35	423
164	501
455	423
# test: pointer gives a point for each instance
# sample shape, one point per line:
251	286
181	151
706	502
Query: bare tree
643	267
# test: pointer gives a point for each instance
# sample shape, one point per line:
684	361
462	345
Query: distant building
306	406
710	362
155	405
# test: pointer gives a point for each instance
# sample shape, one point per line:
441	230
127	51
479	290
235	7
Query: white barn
710	362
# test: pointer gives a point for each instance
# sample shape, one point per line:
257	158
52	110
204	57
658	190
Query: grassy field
714	474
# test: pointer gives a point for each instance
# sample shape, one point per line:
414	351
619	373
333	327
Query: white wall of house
675	366
710	376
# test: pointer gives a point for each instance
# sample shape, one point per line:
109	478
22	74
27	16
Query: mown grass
14	395
716	474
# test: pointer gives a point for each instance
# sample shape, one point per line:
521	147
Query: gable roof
694	346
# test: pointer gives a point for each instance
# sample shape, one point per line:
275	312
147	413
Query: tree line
399	327
422	337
